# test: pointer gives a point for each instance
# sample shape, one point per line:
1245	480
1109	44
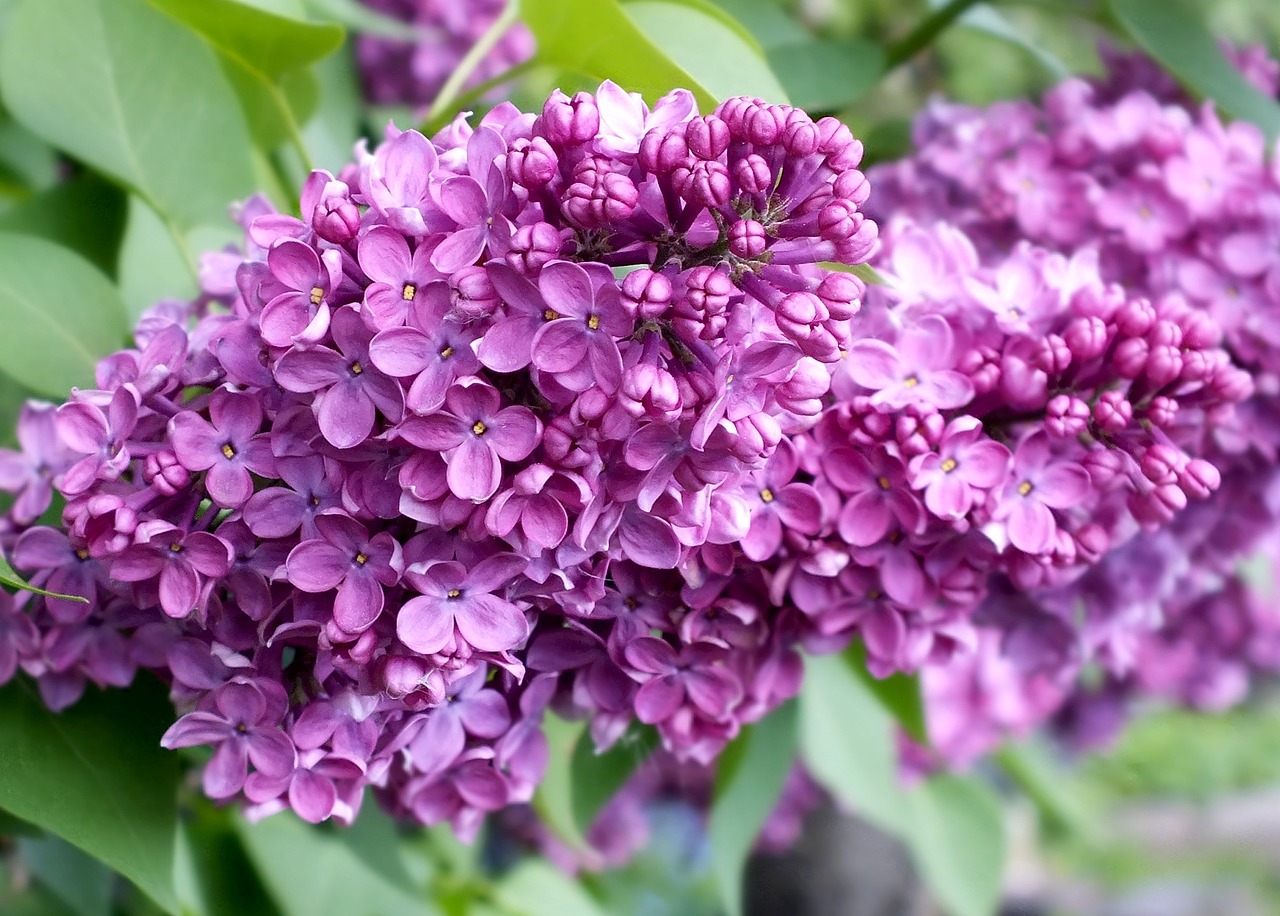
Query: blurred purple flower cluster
402	72
476	437
1126	188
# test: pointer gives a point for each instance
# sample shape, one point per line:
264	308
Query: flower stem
453	86
923	34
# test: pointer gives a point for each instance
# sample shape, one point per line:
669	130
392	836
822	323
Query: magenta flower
779	502
242	720
1037	486
349	389
346	558
536	503
181	562
432	349
475	202
667	677
29	473
579	346
966	462
313	486
477	432
399	277
102	436
300	313
469	709
918	370
879	497
54	564
227	446
454	600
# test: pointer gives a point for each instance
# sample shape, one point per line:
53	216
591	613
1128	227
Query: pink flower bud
1087	337
1112	412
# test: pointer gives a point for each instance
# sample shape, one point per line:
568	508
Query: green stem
434	122
923	34
453	86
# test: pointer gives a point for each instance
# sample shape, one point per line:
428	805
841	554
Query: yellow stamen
453	593
317	295
361	559
175	547
82	554
551	314
228	450
593	322
408	292
479	428
1024	488
446	352
948	466
884	482
766	495
356	368
910	381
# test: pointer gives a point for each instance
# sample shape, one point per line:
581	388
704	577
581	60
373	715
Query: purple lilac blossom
495	426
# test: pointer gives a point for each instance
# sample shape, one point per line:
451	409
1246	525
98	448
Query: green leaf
313	871
79	880
766	20
579	782
553	799
263	53
96	776
846	737
827	74
601	39
596	778
749	780
124	88
952	825
864	272
85	213
1174	33
331	133
957	837
536	888
715	54
1057	799
59	312
360	18
266	44
899	694
9	578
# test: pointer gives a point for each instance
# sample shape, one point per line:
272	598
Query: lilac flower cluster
453	448
397	72
1164	201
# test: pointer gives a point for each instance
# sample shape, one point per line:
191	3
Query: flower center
593	322
883	481
317	295
479	428
910	381
82	554
766	495
453	593
446	352
948	465
175	547
1024	488
228	450
550	314
408	292
361	559
356	368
